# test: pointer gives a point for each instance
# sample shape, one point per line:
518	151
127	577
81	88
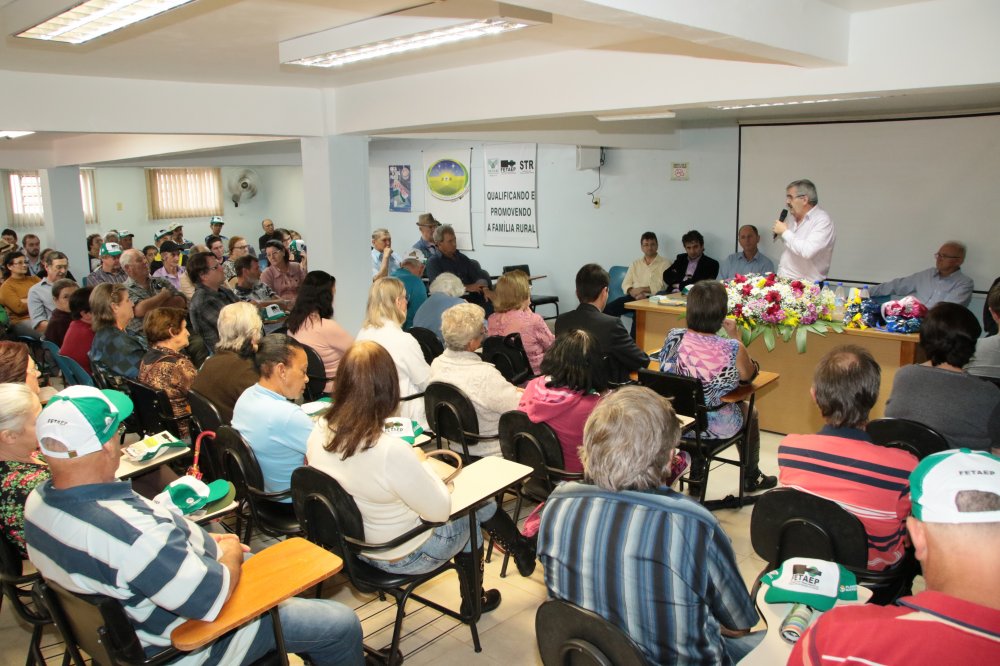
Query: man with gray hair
809	236
955	529
40	301
410	272
147	293
472	275
682	599
384	261
944	283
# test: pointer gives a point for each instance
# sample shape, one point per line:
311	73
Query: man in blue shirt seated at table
749	260
91	534
944	283
649	560
410	270
275	428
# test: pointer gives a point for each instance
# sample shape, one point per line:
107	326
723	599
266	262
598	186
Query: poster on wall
447	178
399	188
510	217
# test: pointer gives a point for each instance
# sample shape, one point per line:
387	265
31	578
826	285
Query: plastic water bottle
839	296
864	293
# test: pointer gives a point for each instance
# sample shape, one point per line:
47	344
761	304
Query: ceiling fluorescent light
764	105
94	18
399	33
12	134
653	115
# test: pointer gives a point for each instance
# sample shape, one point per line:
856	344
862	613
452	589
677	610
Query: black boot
503	529
468	564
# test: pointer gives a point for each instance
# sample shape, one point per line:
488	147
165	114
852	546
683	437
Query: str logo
807	576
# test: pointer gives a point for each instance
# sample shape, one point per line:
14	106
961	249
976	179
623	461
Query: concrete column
65	229
337	220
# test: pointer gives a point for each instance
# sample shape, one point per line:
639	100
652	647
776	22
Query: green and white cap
188	494
216	219
941	478
79	420
406	429
161	233
815	583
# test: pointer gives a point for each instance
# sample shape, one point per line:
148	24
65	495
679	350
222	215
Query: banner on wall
447	178
510	212
399	188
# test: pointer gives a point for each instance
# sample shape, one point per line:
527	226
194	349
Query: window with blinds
174	193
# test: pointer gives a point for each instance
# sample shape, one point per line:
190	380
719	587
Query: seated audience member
676	571
945	283
18	367
394	488
33	255
411	268
41	302
238	247
125	239
570	386
276	428
427	224
164	568
187	286
210	296
216	246
10	236
720	364
840	463
164	366
14	293
990	325
110	270
475	279
385	262
644	276
94	242
692	265
446	291
619	350
283	276
20	467
147	293
177	236
268	235
492	395
383	324
111	237
749	260
215	225
248	287
230	371
151	252
171	270
79	336
512	314
59	320
986	361
955	529
113	349
311	322
938	392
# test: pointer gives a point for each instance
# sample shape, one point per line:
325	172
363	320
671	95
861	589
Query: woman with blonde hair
113	349
383	324
512	314
20	469
230	371
238	247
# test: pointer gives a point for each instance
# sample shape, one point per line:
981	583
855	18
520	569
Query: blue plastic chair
617	274
80	375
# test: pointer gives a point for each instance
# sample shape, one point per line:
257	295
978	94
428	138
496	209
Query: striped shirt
869	481
656	564
104	539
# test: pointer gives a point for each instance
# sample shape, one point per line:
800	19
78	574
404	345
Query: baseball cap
174	226
216	220
111	250
936	482
82	419
427	220
125	233
188	494
161	233
815	583
170	246
415	254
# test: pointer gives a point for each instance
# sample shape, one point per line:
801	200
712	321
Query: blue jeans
445	542
738	648
327	632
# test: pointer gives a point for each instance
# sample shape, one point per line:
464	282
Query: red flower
747	289
738	310
773	296
769	280
798	286
739	279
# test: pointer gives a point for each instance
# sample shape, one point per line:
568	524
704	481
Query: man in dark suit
622	354
692	265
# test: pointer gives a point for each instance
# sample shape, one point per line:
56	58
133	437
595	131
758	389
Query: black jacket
708	269
622	354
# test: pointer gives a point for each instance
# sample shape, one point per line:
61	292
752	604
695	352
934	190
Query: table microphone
781	218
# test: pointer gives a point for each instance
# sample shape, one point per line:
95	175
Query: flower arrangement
772	306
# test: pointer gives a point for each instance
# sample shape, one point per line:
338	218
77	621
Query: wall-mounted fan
244	186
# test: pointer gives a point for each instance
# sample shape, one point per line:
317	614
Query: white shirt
808	247
414	373
641	274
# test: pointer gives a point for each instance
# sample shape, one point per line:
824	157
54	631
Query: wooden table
268	578
786	406
127	469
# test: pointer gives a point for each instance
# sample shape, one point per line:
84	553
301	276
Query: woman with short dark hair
939	393
282	275
164	366
720	363
14	293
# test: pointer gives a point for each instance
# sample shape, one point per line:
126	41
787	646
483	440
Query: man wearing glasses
809	237
944	283
210	296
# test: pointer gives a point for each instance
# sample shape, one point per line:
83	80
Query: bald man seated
944	283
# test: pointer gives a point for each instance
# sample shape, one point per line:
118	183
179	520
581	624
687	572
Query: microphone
781	218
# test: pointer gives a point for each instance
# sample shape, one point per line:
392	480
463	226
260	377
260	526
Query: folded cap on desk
815	583
79	420
188	494
406	429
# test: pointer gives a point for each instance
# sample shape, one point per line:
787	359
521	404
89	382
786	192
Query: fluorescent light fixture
94	18
803	102
12	134
404	31
652	115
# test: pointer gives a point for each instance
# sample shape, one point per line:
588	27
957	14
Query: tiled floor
507	634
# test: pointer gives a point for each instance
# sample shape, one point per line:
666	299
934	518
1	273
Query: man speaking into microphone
809	237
